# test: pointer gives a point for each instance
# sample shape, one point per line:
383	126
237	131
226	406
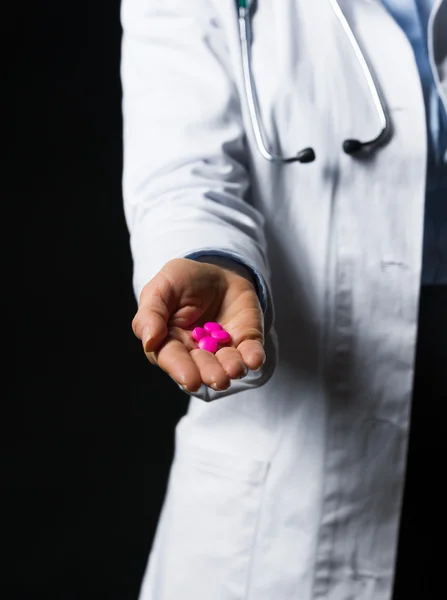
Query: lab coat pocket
209	524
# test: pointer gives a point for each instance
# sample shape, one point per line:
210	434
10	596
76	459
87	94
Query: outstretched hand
186	294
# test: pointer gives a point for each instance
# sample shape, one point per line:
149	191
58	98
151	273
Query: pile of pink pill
210	335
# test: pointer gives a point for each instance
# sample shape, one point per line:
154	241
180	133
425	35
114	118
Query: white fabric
291	490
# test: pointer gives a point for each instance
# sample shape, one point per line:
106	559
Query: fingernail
186	389
262	364
146	338
244	371
217	388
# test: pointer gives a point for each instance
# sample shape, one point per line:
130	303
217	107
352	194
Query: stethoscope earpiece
306	156
352	146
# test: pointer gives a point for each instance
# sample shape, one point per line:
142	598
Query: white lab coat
290	490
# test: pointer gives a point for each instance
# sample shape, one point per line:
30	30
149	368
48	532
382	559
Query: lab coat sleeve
185	179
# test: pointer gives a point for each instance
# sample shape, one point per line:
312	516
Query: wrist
230	265
248	271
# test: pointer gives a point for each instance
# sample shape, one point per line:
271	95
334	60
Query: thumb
150	323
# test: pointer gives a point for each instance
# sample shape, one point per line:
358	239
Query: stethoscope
350	146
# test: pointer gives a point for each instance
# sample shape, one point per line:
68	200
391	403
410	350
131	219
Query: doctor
285	175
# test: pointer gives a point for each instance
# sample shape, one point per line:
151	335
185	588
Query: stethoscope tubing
350	146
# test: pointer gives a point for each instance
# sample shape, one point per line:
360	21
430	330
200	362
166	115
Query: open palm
186	294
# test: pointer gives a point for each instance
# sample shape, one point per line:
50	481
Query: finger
253	354
232	362
211	371
243	320
150	323
174	358
247	331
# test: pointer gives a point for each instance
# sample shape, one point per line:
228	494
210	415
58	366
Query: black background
86	440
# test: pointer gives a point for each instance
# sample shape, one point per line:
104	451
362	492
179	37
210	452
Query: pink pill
221	336
209	344
211	326
198	333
